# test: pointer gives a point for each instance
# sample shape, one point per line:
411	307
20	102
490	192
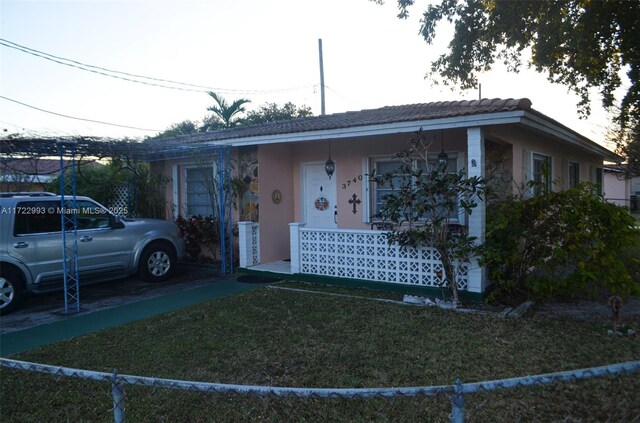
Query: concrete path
61	326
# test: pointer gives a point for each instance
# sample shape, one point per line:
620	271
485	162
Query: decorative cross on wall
354	201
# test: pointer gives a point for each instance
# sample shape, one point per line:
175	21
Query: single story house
295	218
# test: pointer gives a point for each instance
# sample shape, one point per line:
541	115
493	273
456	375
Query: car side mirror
115	222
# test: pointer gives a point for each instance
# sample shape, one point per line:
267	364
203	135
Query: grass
284	338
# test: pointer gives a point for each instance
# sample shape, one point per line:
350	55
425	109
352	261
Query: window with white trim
541	175
383	166
197	200
574	174
599	179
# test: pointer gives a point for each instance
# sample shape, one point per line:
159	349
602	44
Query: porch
356	255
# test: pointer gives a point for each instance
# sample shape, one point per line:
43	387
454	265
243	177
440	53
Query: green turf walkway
26	339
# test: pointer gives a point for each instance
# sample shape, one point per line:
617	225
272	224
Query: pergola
69	149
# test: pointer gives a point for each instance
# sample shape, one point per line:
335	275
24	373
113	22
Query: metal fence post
457	403
117	392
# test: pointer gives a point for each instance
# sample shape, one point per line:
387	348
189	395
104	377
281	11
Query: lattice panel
120	198
255	243
367	255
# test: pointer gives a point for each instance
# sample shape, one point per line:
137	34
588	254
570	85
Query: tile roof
383	115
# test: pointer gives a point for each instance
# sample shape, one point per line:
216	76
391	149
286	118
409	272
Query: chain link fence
50	393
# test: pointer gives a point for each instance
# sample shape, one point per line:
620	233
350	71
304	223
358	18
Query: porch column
294	241
248	249
477	278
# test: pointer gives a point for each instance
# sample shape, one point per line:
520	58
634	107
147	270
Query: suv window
91	216
33	217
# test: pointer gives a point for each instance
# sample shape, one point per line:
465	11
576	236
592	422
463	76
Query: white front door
319	199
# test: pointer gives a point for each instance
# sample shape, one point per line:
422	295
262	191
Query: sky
265	51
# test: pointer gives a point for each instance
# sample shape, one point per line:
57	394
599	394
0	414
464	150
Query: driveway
42	320
47	308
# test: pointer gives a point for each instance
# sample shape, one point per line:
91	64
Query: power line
19	127
340	95
127	76
77	118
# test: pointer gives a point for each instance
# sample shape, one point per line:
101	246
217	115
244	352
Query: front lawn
284	338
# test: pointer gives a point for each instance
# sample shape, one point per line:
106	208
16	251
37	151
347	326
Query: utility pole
322	109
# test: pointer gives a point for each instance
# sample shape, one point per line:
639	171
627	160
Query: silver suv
109	246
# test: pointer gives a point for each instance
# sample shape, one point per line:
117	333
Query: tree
225	115
582	44
629	147
271	112
631	150
562	242
185	127
101	182
425	197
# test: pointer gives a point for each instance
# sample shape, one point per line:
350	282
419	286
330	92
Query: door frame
303	186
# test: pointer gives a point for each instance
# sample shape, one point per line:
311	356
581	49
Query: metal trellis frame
225	205
148	151
132	189
221	158
69	227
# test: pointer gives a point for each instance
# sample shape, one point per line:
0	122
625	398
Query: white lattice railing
249	240
364	254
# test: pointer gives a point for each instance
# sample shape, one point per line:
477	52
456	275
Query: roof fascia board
537	122
382	129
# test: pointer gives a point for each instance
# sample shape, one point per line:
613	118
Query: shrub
199	233
570	242
424	199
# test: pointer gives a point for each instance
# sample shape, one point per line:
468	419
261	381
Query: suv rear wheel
157	262
11	290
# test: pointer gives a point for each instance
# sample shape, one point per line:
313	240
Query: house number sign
355	180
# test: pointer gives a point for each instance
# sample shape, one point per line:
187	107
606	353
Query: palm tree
224	115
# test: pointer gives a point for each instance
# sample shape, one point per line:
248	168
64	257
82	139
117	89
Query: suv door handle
21	244
86	238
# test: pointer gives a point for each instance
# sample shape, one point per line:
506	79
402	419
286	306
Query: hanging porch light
443	158
329	165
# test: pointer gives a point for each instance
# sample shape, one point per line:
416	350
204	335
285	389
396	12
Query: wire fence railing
150	399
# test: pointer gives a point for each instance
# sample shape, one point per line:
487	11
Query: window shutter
366	191
527	172
552	173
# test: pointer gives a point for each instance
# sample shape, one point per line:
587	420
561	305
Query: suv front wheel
11	290
157	262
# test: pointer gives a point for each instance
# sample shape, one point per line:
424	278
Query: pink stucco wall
276	173
348	156
521	140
